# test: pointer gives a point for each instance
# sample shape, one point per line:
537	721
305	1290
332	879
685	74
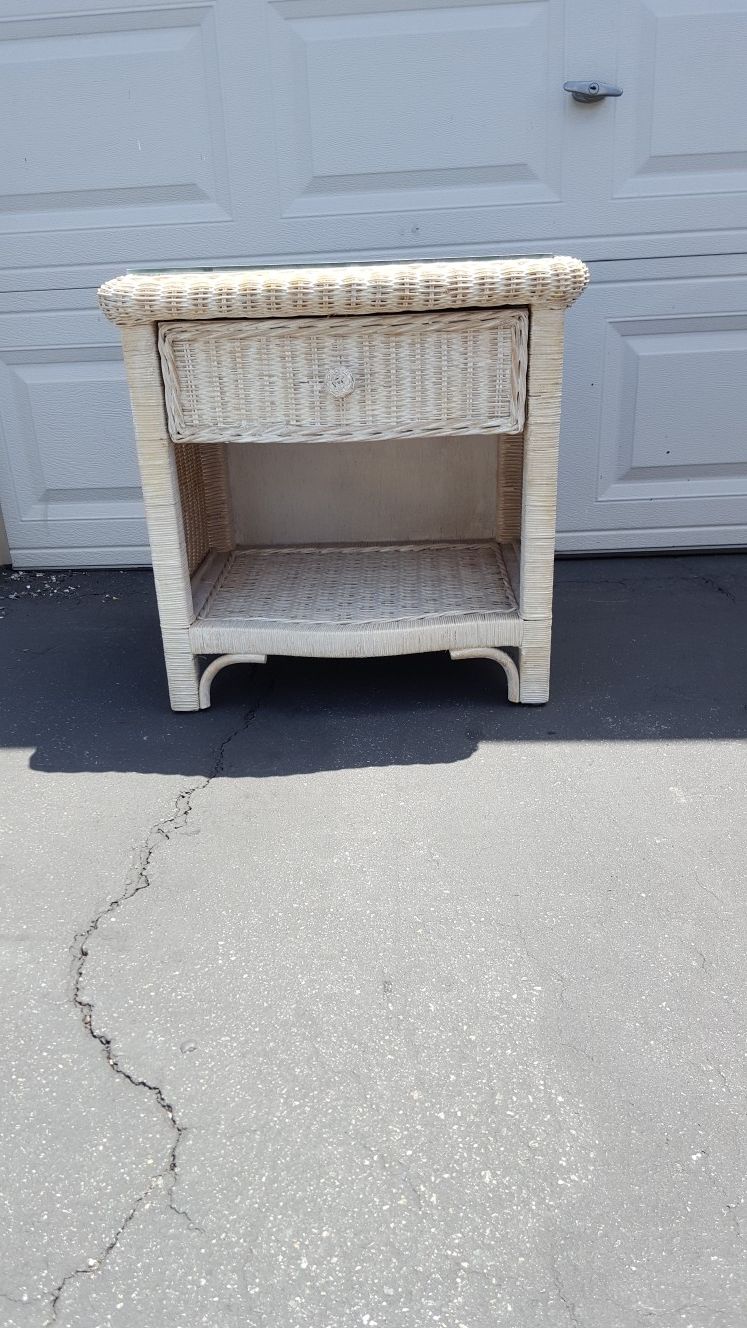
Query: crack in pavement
565	1300
712	584
93	1265
138	879
542	965
707	890
25	1301
633	583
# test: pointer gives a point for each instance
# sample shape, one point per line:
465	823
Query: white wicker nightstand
357	352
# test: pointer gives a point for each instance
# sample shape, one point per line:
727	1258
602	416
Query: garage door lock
592	91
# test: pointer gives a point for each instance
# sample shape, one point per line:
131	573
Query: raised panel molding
68	470
70	408
653	429
122	120
674	408
684	131
372	112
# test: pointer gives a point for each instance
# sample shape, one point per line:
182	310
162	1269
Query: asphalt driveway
365	998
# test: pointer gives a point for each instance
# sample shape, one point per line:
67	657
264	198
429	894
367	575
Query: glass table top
373	261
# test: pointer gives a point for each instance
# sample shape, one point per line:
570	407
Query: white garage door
246	131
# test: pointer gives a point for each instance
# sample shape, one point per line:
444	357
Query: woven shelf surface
362	584
350	289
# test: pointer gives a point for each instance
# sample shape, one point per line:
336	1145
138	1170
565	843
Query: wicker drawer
319	379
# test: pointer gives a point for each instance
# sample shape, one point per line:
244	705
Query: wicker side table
315	355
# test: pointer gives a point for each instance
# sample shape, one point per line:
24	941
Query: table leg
164	514
539	492
534	663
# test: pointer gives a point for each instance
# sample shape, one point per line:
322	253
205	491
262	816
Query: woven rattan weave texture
325	379
363	584
461	346
384	288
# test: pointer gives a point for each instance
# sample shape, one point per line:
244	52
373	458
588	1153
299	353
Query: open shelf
356	600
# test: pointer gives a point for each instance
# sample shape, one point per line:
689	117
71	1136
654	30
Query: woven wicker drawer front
319	379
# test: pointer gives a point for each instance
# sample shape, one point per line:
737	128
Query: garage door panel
656	386
121	116
372	113
70	477
674	407
142	135
683	131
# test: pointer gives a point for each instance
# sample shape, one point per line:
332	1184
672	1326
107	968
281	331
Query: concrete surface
365	998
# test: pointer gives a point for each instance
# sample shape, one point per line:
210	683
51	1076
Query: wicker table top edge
343	289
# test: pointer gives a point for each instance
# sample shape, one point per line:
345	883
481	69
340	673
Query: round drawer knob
339	382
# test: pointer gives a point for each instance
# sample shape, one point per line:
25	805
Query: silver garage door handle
589	90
